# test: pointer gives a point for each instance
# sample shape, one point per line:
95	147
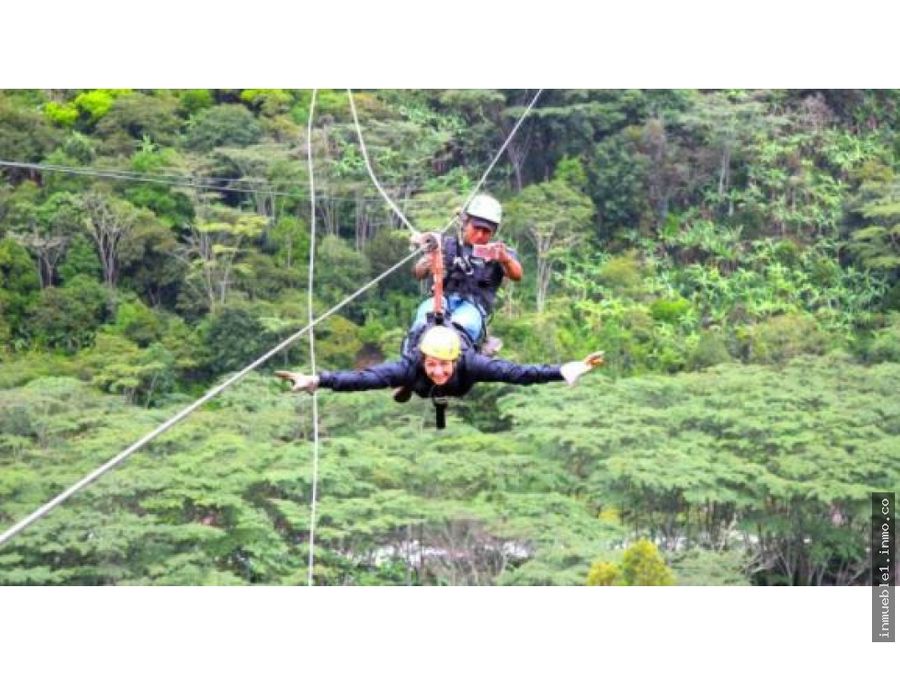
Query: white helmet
485	207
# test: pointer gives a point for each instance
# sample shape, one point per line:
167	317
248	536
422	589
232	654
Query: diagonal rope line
365	154
312	341
118	459
171	422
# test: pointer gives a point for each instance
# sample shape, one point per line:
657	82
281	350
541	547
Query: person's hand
501	253
574	369
594	359
300	382
426	240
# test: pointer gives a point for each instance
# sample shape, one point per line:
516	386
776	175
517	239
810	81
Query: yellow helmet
440	342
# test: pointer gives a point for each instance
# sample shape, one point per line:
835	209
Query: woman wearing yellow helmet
442	364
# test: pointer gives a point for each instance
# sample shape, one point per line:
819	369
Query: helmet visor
482	224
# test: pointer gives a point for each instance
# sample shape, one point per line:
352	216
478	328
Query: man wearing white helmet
474	269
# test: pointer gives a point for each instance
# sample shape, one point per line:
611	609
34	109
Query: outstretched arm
484	369
382	376
498	370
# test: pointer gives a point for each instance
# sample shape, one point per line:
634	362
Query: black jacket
471	277
409	372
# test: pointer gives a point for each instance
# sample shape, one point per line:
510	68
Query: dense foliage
736	253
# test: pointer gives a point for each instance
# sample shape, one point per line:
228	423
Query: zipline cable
188	181
312	341
182	178
175	180
365	154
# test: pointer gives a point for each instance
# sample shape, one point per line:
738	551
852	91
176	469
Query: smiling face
477	232
438	370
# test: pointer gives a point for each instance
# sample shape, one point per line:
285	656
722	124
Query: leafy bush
622	275
781	338
192	101
68	317
63	114
139	118
232	338
670	310
135	321
711	349
228	124
96	103
702	567
642	565
603	573
885	345
80	260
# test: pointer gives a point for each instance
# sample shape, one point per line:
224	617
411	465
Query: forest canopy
736	254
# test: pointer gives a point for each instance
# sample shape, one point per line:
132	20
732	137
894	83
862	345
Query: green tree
554	218
876	242
264	172
232	338
339	270
192	101
148	263
726	122
96	103
141	376
68	317
222	125
26	136
617	178
136	118
19	287
171	204
642	565
711	459
214	248
603	573
270	101
109	221
44	226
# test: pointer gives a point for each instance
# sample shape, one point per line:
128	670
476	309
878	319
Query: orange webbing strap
437	271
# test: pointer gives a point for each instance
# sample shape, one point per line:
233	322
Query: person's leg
468	316
421	317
